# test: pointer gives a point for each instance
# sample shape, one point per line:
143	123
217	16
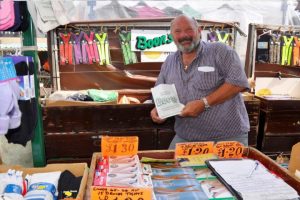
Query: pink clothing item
147	11
7	14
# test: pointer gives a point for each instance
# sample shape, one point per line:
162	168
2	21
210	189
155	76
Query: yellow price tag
119	146
193	148
113	193
229	149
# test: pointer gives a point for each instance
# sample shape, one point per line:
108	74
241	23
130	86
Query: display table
248	152
73	133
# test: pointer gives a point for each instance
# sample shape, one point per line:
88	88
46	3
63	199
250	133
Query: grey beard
190	48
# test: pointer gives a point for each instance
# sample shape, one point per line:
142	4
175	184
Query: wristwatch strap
206	105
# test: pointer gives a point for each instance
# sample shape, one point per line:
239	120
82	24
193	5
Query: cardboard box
78	169
248	152
89	187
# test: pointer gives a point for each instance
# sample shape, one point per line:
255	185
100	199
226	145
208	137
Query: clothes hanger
225	5
265	31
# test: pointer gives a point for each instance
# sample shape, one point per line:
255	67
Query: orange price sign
193	148
119	146
114	193
229	149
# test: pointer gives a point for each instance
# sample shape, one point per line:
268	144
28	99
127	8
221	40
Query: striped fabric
223	120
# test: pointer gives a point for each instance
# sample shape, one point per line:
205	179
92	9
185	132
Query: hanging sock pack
263	48
28	106
90	46
224	39
274	51
65	49
10	115
296	52
128	55
287	49
212	36
77	38
103	48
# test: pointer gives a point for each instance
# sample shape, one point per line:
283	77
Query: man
208	78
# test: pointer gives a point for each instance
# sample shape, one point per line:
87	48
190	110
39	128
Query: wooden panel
103	117
253	119
82	145
252	106
279	105
279	144
105	81
165	137
69	160
271	70
283	123
252	136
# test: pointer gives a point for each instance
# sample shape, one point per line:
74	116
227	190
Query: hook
279	75
116	29
66	26
290	29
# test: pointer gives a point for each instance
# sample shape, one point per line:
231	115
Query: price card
193	148
229	149
113	193
119	146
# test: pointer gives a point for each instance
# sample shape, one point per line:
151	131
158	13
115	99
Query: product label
43	186
12	188
262	45
24	84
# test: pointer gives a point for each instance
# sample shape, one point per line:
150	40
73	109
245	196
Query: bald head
183	17
186	33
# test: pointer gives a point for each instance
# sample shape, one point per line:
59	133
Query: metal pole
38	147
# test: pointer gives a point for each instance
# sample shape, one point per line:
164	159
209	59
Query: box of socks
117	173
55	181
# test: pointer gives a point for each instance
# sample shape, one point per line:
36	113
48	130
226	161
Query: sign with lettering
166	100
152	40
229	149
112	193
193	148
119	146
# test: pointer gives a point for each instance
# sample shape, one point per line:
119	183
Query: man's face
185	34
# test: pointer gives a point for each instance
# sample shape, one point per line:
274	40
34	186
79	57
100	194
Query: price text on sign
193	148
229	149
119	146
108	193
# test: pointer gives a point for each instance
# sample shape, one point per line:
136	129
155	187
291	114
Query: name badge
206	69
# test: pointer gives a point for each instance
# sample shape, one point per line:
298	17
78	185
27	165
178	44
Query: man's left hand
192	109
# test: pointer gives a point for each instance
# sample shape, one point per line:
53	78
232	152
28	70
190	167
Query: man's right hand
155	117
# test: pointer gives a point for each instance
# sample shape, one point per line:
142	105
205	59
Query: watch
206	105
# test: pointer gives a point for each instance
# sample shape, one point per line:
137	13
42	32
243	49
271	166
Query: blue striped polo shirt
214	65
